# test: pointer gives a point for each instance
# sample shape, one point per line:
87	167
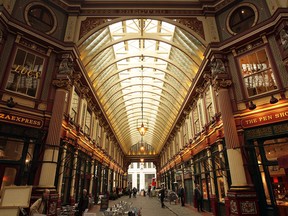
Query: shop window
242	18
8	177
25	74
219	168
41	18
272	162
11	149
257	73
74	106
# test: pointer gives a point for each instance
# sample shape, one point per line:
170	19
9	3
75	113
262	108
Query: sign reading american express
15	119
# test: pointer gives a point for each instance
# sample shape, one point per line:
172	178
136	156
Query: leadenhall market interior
198	87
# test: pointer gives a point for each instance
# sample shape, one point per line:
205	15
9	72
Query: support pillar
50	158
241	198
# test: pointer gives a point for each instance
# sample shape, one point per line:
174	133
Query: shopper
83	202
162	196
40	206
181	195
199	198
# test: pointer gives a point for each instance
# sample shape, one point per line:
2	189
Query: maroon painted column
241	197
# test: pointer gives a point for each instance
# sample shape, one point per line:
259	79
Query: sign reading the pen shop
22	120
264	118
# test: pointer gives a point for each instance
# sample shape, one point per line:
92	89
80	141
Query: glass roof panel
141	70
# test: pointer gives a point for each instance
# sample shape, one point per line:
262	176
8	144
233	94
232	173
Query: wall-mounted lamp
11	103
273	100
251	106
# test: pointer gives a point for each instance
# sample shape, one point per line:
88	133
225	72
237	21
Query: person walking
83	202
162	196
129	189
40	206
199	198
181	195
134	192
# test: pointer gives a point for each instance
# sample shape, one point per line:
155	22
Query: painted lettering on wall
15	119
26	72
264	118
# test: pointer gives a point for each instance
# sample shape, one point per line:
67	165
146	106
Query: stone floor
151	206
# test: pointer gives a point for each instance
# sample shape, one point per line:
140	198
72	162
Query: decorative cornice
85	90
62	83
193	24
90	23
221	83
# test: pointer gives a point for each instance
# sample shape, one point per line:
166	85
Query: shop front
20	150
267	149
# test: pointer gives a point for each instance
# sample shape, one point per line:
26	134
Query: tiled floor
151	206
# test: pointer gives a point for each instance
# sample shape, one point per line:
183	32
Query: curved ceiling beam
127	135
134	119
118	117
111	63
135	36
111	109
155	93
97	87
164	88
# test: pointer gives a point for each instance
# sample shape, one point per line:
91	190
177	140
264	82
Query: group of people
198	196
40	206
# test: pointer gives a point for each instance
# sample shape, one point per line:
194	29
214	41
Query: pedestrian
199	198
83	202
181	195
129	189
162	195
134	192
40	206
149	190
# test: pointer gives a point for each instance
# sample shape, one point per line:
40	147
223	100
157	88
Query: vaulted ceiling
141	71
141	68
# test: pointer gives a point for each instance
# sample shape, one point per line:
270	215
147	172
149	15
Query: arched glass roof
141	61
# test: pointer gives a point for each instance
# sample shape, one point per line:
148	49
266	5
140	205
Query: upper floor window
74	106
196	121
25	73
242	18
88	122
257	73
209	105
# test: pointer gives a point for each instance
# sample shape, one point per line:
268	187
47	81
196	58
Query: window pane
196	121
242	19
40	18
209	105
74	106
88	122
257	73
10	149
9	177
25	74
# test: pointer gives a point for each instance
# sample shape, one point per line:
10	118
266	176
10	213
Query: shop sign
15	119
264	118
